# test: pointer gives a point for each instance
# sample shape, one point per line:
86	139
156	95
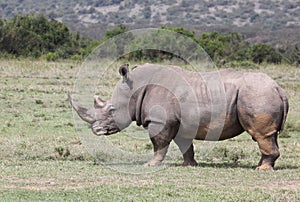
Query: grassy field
42	157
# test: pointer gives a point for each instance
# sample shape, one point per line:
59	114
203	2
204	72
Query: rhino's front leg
160	147
161	136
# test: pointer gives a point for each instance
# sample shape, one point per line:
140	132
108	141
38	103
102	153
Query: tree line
36	36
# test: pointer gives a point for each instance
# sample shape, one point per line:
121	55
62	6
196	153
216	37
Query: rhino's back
250	93
195	99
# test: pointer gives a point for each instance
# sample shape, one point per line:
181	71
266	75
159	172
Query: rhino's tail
285	102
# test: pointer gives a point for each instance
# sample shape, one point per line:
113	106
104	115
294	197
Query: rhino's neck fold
137	102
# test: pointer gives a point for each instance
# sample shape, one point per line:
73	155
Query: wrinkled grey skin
175	104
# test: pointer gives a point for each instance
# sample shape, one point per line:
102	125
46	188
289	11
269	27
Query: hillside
261	20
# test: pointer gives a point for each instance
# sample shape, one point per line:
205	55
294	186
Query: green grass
43	158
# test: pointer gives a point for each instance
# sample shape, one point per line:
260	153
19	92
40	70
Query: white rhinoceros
180	105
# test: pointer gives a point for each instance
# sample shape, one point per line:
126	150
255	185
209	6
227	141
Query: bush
264	52
76	57
51	56
35	35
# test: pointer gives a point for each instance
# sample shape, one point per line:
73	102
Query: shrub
76	57
35	35
51	56
39	102
264	52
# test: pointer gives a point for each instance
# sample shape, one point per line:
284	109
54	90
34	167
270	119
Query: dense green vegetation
36	36
222	48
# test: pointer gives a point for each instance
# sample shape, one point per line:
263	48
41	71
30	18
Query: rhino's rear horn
98	102
83	113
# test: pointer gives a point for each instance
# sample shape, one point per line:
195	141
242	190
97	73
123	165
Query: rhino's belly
217	133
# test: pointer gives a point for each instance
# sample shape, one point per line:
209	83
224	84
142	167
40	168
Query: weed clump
228	155
61	152
148	146
39	102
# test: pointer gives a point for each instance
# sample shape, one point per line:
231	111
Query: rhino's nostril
99	128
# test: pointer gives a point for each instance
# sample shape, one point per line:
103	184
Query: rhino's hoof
152	163
190	163
265	168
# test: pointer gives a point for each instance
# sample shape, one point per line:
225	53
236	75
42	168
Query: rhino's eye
124	86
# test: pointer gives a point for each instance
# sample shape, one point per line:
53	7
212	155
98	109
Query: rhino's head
100	117
109	117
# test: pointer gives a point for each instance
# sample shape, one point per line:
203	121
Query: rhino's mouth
104	130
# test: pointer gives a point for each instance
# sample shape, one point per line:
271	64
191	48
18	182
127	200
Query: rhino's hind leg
188	157
270	152
263	127
268	146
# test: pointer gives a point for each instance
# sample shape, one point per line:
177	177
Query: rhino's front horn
84	113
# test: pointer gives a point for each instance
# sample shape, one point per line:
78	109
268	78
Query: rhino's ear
123	70
98	102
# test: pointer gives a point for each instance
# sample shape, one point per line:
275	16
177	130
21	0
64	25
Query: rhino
181	105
